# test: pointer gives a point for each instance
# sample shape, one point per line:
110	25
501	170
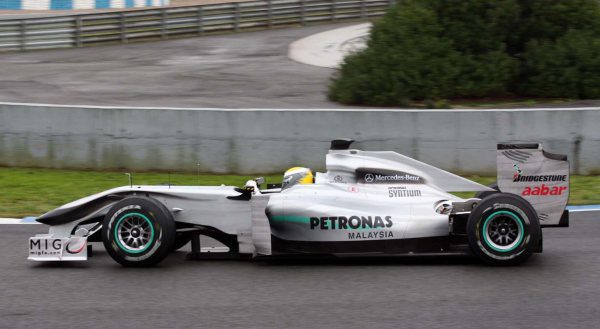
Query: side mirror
259	180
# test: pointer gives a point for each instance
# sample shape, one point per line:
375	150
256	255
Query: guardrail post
123	27
236	21
200	21
78	25
333	10
163	24
270	13
302	12
23	32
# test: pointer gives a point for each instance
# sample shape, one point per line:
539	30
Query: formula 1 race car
367	203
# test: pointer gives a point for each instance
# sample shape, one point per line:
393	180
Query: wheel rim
503	231
134	233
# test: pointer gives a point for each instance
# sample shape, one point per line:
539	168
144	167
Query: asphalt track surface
556	289
243	70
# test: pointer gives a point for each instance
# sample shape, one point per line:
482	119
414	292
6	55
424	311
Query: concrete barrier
262	141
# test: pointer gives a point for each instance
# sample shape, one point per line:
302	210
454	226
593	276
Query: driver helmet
297	175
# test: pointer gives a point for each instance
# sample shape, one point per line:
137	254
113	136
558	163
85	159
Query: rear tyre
503	229
485	194
138	231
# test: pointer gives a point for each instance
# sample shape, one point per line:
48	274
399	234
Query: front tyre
503	229
138	231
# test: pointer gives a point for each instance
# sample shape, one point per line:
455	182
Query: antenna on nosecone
198	166
130	179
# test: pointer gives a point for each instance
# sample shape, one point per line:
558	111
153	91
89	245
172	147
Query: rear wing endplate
540	177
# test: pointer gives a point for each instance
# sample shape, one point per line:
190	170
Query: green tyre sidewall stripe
124	248
485	228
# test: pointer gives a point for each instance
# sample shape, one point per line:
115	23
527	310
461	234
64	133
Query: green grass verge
31	192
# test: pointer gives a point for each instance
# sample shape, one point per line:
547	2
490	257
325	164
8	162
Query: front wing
45	247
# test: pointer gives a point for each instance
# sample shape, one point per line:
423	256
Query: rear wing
539	177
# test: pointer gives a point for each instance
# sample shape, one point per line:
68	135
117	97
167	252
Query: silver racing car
367	203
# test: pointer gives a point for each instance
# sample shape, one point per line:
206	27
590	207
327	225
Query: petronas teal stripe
306	220
294	219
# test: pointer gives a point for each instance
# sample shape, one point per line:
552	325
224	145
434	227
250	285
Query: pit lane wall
269	141
78	4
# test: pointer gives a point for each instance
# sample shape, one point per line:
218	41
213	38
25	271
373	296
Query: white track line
584	210
16	221
10	221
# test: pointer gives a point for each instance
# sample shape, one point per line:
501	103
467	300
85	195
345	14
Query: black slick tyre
138	232
485	194
503	229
